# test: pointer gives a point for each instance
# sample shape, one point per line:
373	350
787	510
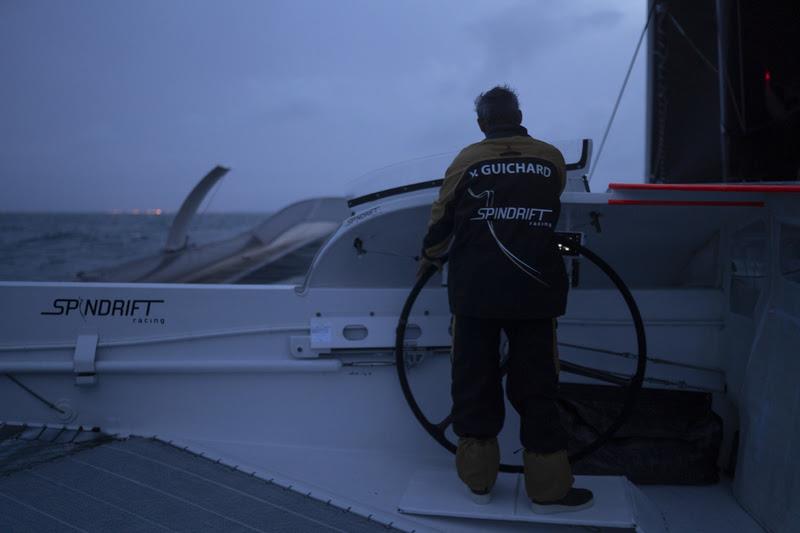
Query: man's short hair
498	105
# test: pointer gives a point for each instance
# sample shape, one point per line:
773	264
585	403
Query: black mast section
723	91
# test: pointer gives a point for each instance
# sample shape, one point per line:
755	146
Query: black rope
629	355
30	391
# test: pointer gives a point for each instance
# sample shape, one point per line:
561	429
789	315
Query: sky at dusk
119	105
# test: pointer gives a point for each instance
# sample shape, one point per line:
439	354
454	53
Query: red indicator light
767	76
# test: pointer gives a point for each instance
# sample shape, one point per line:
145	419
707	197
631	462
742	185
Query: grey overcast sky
108	104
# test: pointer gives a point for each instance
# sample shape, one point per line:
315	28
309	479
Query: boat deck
57	480
64	480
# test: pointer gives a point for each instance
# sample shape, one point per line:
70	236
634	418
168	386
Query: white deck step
617	503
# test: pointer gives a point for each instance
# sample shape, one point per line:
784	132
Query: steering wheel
631	385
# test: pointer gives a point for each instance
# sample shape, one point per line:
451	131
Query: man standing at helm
495	217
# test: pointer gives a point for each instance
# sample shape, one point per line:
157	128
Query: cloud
111	106
519	33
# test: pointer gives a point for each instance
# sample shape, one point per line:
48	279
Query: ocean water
56	246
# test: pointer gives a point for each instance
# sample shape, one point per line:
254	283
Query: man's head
497	108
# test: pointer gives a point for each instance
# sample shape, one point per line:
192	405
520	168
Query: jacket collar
506	131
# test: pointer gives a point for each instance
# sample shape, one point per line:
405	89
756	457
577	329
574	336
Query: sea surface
55	247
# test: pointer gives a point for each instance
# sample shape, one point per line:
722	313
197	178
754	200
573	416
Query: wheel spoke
445	423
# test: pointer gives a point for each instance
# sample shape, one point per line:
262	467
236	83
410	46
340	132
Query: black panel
761	69
724	91
672	437
683	94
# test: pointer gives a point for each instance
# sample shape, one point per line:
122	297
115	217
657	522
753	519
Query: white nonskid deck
440	493
376	484
67	480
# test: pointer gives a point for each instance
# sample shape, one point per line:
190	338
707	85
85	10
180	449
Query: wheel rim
633	384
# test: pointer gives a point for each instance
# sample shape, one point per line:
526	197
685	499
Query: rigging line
710	65
628	355
670	382
30	391
621	91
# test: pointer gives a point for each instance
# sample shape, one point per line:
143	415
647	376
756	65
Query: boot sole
481	499
554	508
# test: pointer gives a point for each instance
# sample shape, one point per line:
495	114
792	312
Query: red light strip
701	187
705	203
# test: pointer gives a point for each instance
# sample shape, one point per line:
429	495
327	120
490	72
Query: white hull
263	377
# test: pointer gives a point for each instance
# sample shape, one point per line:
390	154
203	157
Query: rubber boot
548	482
477	463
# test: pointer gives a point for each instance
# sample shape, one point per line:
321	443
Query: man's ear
518	115
482	125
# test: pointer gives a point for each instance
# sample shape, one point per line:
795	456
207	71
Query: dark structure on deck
723	91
